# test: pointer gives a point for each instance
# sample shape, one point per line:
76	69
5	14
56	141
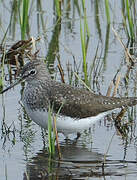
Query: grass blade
107	11
130	21
23	17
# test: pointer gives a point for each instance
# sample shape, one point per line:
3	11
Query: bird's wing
79	103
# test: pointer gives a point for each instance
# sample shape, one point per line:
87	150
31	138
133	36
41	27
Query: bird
76	109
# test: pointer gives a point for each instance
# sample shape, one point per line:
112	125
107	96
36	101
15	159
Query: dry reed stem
83	82
127	53
109	89
116	85
33	41
17	62
57	141
121	114
118	126
115	88
105	155
61	72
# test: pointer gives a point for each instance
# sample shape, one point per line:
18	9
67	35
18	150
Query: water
23	153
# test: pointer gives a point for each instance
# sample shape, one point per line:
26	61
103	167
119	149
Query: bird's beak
11	86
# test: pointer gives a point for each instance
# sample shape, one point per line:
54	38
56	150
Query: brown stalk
109	89
129	58
116	86
57	141
61	72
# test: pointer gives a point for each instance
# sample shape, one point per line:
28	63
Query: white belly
64	124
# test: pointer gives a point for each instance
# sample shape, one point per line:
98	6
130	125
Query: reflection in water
76	162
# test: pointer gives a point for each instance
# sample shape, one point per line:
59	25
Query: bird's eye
32	72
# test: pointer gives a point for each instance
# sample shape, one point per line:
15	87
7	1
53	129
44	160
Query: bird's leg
74	140
78	135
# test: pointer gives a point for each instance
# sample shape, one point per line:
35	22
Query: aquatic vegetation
23	17
58	7
51	134
107	11
2	73
129	13
84	35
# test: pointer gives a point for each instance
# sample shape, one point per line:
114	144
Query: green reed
85	18
130	20
51	136
106	45
24	17
58	7
13	19
83	43
107	11
97	19
2	72
84	35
